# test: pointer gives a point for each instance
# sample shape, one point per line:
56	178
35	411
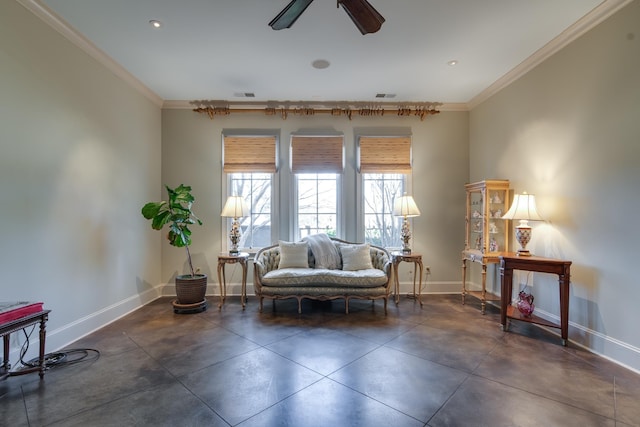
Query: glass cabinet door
497	231
486	231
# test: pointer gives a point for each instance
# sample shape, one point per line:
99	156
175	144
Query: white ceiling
214	49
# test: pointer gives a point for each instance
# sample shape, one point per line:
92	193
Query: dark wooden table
6	329
538	264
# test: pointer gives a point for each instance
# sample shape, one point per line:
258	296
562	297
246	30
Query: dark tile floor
442	365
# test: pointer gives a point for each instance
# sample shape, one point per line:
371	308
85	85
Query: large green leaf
179	236
151	209
160	220
181	213
175	239
180	195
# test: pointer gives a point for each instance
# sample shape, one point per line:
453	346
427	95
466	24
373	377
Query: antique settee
322	268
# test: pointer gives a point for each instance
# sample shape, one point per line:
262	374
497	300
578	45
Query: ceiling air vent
244	95
385	95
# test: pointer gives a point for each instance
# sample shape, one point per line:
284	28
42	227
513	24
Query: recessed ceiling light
320	64
452	62
155	24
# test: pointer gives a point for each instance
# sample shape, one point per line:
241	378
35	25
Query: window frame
273	223
295	224
397	221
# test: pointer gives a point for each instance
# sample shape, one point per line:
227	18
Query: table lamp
405	207
234	208
524	209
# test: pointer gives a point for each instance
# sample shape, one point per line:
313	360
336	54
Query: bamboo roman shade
385	154
317	154
249	154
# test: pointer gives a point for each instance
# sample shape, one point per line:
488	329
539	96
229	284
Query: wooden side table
226	258
541	265
416	259
15	325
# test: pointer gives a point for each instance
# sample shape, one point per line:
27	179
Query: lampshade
235	207
523	207
405	206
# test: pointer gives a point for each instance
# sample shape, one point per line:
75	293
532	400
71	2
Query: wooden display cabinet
486	233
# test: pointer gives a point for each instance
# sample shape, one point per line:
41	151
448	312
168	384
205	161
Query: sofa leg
385	306
346	305
299	305
261	298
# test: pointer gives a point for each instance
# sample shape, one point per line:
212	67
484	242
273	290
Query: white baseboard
65	335
610	348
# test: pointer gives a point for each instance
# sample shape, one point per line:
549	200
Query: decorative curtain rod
348	109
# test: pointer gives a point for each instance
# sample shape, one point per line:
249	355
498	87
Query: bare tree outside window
380	191
256	190
317	204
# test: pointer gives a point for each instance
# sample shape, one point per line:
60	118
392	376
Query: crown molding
454	106
598	14
61	26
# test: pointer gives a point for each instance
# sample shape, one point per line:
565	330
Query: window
317	207
256	190
380	190
385	165
250	165
317	162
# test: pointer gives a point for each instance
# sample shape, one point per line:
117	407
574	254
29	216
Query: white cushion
294	255
356	257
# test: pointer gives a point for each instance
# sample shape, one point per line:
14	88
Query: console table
540	265
16	325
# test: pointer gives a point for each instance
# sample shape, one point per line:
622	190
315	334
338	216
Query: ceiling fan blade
289	14
366	18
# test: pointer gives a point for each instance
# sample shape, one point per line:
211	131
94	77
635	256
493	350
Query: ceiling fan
366	18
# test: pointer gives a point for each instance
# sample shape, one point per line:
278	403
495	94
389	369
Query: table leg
243	292
564	308
6	366
43	338
222	282
397	282
483	299
419	264
506	285
464	279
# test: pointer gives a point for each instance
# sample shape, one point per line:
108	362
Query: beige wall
80	152
569	132
191	154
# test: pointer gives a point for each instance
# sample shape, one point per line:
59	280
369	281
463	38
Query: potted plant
176	212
